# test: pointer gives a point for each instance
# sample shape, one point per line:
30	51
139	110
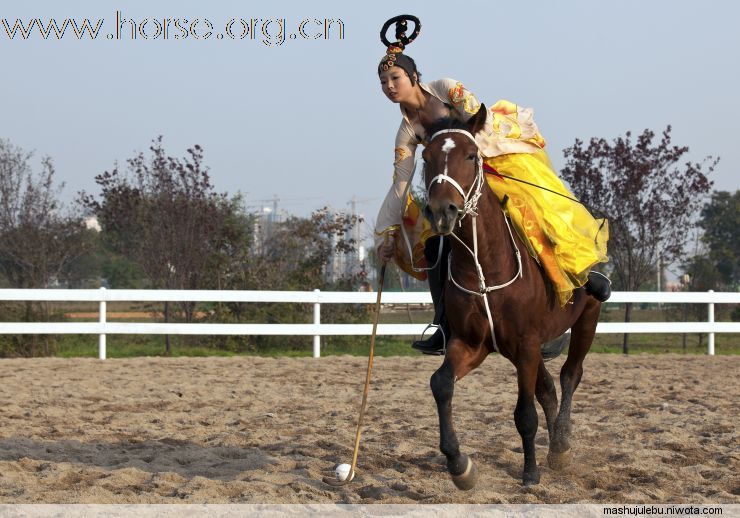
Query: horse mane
446	123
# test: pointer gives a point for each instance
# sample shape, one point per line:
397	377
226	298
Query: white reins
470	207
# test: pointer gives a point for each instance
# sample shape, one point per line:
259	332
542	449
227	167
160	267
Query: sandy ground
259	430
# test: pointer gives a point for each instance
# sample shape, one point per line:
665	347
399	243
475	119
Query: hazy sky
306	120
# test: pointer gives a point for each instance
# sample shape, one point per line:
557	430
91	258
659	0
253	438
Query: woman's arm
391	211
509	128
465	103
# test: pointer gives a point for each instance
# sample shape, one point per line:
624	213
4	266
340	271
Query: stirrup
430	351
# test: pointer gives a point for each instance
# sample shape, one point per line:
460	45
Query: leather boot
598	286
437	277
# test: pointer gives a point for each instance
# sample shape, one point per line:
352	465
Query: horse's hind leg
460	360
582	336
547	397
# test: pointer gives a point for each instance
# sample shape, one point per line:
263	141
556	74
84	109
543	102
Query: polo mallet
350	476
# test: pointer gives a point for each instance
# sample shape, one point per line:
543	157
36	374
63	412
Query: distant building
91	223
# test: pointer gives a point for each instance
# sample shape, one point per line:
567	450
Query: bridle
470	199
470	208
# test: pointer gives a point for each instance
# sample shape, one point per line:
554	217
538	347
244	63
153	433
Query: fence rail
317	329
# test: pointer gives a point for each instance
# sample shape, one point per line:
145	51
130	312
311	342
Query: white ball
342	472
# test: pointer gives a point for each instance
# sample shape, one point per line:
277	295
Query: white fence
317	329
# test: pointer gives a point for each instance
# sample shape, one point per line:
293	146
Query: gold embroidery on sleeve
401	154
459	95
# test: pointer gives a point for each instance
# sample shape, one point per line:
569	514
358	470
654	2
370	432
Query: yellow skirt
560	233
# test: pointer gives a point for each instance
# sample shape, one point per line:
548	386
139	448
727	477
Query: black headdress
394	55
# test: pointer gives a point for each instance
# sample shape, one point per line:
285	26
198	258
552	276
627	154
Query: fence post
101	319
710	340
317	320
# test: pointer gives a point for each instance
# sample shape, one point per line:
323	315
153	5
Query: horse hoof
531	479
467	479
559	461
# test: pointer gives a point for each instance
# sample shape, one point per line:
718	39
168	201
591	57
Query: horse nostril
428	213
453	208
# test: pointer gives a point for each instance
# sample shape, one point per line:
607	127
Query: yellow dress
559	233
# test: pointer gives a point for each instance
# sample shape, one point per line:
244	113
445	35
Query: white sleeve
391	211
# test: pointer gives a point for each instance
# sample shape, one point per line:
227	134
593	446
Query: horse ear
478	121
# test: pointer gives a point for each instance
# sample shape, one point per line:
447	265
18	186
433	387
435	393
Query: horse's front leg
525	413
460	360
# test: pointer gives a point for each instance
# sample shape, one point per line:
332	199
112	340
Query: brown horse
516	319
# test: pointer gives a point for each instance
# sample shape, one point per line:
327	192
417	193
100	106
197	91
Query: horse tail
555	347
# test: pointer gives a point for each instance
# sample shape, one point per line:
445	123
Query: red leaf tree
649	192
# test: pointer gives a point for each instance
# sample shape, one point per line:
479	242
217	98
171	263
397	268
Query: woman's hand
387	249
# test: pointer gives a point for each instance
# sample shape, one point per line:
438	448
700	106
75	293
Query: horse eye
472	156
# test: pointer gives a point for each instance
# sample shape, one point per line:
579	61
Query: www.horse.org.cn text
268	31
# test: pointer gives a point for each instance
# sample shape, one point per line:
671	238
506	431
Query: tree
649	196
714	266
38	239
700	275
298	254
720	220
163	215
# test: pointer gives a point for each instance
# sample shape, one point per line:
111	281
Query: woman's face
396	84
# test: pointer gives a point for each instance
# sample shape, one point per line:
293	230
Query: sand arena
658	428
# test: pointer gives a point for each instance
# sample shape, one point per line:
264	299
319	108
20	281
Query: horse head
453	171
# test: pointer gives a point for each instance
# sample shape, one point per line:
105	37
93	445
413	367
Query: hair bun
401	22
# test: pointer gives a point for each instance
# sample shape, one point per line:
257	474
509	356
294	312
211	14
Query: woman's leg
437	277
598	286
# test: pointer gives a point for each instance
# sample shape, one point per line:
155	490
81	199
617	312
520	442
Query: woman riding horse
559	232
